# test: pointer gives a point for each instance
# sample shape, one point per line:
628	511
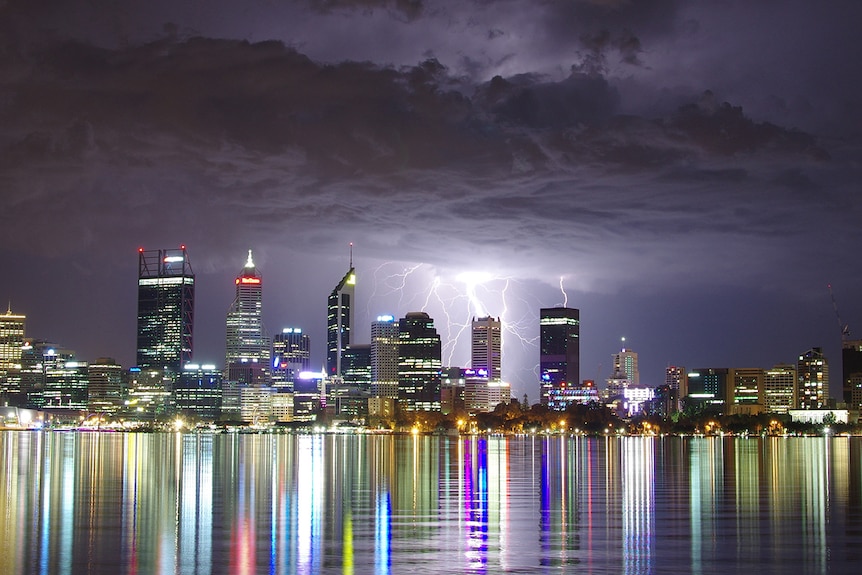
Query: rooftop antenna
351	255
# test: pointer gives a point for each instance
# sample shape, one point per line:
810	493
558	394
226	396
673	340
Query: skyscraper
290	356
779	388
486	345
559	359
675	380
166	305
11	342
419	363
812	372
246	338
626	365
384	357
339	320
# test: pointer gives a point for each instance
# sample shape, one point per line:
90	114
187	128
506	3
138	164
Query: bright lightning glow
471	280
565	295
453	300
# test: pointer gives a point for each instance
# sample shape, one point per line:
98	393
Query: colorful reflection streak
75	503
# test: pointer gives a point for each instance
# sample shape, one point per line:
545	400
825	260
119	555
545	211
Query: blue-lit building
559	354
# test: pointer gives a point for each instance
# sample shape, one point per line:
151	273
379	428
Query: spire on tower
351	255
249	262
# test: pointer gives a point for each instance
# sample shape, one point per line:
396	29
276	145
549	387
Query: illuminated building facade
291	354
11	342
166	304
779	388
812	373
560	351
486	346
419	363
384	357
356	365
339	320
198	393
626	366
483	394
246	338
66	382
675	380
106	390
38	359
708	386
748	387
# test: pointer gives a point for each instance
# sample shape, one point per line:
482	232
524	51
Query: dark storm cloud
409	9
223	128
629	147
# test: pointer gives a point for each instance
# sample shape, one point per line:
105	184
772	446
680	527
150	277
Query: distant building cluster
268	380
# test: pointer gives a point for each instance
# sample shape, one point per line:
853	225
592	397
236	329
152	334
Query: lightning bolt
565	295
453	300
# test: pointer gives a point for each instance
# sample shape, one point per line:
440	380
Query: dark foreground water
206	504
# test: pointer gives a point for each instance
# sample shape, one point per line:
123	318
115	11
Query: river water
74	502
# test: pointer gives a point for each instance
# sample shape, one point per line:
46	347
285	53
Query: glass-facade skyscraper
246	337
166	306
560	351
339	321
419	363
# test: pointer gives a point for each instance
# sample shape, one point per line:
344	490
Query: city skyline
683	179
174	264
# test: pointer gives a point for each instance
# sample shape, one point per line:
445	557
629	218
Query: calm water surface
207	504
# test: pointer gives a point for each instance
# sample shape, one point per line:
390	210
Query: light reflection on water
208	504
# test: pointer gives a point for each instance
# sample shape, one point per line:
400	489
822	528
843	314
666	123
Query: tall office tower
356	365
486	345
419	363
675	380
166	308
246	338
851	371
560	350
779	388
747	389
11	342
812	375
105	393
199	392
384	357
626	365
291	355
339	319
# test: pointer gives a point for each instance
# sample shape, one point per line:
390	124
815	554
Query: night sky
684	172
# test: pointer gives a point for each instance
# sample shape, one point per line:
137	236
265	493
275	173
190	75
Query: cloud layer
555	147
